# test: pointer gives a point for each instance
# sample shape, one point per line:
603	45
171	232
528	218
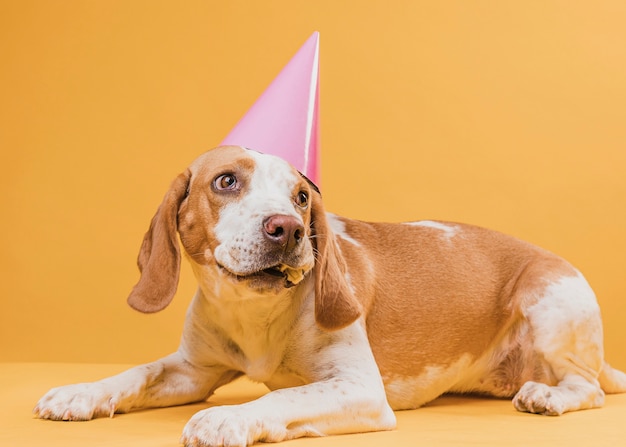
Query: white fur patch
339	228
240	225
449	231
412	392
567	320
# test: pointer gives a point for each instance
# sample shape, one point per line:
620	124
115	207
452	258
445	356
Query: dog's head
249	219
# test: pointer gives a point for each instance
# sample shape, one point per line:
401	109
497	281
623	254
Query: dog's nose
286	231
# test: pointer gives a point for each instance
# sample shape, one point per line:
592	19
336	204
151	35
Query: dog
345	321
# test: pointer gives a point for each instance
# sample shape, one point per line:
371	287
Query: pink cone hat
284	121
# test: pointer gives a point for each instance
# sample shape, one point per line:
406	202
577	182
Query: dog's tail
612	380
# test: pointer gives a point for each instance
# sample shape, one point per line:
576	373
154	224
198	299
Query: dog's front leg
169	381
346	396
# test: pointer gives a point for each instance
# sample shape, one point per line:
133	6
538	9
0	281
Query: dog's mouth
274	275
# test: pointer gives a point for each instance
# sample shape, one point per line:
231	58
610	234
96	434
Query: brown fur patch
199	214
439	297
159	256
335	304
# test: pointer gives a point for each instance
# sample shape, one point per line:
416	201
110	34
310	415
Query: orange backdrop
509	115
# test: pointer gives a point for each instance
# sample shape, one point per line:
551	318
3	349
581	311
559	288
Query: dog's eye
302	199
225	182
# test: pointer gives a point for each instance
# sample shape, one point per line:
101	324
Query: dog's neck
254	327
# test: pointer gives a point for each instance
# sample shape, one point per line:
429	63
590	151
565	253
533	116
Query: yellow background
510	115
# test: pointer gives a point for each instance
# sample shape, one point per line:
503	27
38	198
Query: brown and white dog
344	320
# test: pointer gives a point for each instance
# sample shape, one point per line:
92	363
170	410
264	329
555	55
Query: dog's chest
260	360
266	358
255	338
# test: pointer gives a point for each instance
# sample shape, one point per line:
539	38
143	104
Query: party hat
284	121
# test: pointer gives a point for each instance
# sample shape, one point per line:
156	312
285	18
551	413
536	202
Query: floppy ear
335	303
159	255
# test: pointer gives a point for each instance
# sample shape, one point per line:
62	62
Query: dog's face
247	218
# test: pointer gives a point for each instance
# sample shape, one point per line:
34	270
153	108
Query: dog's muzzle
279	262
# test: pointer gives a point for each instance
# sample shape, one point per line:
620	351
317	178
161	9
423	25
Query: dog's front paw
229	426
539	398
80	402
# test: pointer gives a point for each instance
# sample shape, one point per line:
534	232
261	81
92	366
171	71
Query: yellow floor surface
449	421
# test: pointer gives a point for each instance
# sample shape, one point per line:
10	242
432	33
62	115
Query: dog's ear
335	303
159	255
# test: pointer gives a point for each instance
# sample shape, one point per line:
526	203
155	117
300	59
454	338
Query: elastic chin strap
311	184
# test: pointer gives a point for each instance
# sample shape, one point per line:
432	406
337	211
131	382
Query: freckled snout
284	231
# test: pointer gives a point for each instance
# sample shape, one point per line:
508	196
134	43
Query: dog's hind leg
567	338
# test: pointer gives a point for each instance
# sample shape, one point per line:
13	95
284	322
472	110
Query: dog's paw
539	398
230	426
80	402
